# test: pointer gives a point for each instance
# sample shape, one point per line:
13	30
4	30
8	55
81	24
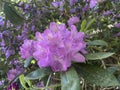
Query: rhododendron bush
59	44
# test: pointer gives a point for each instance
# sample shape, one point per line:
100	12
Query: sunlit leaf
83	25
22	81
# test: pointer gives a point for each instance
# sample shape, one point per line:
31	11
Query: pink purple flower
57	47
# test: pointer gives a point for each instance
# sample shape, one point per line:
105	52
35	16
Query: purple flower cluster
12	73
57	47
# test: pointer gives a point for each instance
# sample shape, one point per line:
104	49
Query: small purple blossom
10	51
1	21
93	3
106	13
33	27
2	82
72	2
73	20
85	8
55	4
12	73
26	50
27	6
2	43
58	4
117	25
40	84
73	10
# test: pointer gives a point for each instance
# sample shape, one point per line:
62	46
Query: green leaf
70	80
90	23
27	62
113	69
12	14
83	25
97	42
96	75
22	81
99	55
38	74
28	82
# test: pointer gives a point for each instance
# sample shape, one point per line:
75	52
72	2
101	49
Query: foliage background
102	29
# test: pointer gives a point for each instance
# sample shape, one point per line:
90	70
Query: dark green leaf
12	14
96	75
70	80
90	23
99	55
38	74
98	42
113	69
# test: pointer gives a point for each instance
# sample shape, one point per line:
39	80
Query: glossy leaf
98	42
96	75
70	80
27	62
99	55
38	74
